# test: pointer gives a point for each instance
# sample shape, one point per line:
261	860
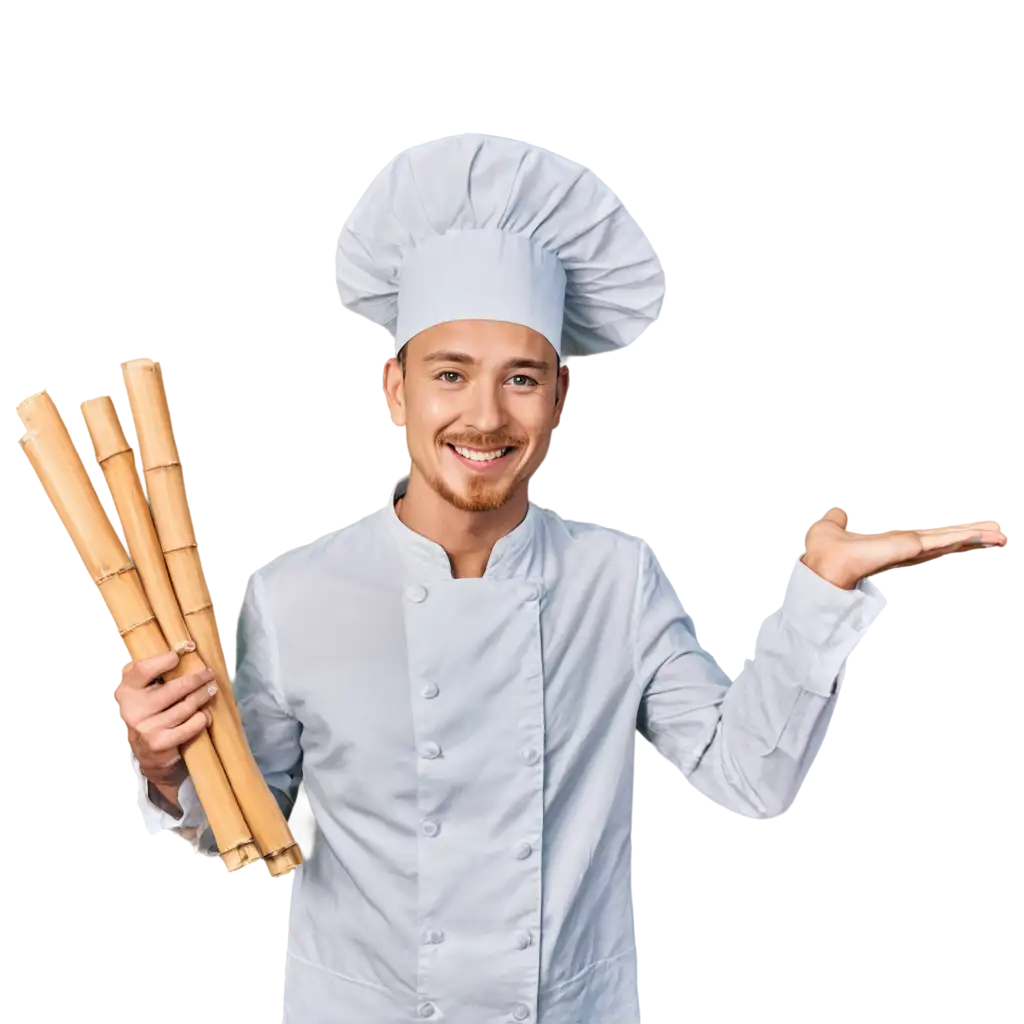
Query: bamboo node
202	607
161	465
120	451
128	629
110	575
180	547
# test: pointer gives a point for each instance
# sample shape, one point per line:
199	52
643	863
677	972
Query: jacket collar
509	558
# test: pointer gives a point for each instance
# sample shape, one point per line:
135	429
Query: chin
475	499
472	495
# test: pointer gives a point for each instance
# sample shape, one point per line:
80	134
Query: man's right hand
161	716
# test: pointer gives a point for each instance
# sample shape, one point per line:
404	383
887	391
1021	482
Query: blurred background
834	191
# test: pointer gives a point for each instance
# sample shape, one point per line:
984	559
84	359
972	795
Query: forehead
479	341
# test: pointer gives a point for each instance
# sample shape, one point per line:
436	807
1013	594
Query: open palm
843	557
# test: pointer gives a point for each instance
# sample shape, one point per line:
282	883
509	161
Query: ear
394	391
561	387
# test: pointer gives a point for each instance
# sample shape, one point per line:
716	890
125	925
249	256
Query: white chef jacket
467	749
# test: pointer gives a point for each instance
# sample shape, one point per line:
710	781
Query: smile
479	460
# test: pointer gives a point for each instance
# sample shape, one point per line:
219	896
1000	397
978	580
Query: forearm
747	743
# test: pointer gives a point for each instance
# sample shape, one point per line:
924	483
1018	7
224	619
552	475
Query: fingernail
212	689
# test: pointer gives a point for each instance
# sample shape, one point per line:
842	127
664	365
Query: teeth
479	456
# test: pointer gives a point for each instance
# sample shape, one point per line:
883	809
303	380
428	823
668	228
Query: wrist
832	574
164	797
165	778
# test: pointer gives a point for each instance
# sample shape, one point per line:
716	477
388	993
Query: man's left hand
844	558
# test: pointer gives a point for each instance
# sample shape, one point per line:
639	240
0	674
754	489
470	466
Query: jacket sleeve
746	743
271	729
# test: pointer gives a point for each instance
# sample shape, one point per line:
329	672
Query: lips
480	455
481	464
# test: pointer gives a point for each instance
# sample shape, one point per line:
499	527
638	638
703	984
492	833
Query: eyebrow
446	356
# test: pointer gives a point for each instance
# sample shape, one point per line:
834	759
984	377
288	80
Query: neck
467	537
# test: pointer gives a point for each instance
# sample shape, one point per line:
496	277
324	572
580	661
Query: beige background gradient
168	181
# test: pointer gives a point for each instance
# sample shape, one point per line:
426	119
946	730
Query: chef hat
482	227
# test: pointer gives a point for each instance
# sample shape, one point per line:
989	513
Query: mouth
481	459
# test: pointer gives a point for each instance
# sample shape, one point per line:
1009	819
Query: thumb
837	516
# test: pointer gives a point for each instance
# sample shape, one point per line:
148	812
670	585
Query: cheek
438	409
537	427
428	418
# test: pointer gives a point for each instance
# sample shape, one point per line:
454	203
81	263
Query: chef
459	676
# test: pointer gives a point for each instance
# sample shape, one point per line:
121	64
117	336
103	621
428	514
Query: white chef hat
487	228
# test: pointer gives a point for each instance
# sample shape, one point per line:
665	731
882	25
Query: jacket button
521	1011
430	690
433	935
522	849
430	749
530	755
416	592
431	827
522	939
426	1009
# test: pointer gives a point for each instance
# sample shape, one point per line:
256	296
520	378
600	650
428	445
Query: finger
956	537
979	524
161	697
137	675
180	712
186	731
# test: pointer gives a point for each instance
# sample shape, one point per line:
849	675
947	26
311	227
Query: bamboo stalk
117	461
52	455
165	486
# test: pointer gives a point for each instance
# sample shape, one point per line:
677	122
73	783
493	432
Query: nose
486	412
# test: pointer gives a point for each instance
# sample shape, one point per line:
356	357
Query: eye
523	376
445	373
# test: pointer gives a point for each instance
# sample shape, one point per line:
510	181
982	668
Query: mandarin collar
509	558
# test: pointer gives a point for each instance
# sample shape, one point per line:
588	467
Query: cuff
819	610
829	619
158	819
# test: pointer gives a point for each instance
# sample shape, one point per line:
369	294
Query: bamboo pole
52	454
165	486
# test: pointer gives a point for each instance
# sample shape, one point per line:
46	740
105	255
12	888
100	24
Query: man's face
487	387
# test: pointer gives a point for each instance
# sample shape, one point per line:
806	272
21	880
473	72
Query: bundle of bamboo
159	597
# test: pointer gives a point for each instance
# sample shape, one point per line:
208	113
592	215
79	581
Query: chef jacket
467	748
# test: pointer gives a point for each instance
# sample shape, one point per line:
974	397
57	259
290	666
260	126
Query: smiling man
459	677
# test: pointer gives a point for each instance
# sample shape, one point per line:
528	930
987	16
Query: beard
484	495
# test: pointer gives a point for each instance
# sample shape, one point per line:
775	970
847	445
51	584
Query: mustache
485	442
